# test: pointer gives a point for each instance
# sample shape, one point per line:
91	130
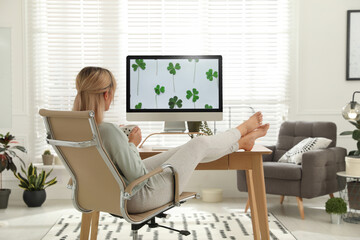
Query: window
253	37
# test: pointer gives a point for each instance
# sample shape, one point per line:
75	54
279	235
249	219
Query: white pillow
294	155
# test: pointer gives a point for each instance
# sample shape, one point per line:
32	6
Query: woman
95	91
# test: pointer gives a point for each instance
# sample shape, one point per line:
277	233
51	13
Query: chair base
93	220
152	224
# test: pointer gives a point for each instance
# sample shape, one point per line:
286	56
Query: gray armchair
316	176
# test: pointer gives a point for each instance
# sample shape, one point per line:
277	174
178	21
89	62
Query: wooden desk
251	162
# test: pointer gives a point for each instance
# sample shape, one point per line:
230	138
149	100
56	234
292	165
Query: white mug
127	129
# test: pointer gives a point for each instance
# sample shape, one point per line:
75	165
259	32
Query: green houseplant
352	162
7	154
199	126
47	157
335	207
34	185
356	136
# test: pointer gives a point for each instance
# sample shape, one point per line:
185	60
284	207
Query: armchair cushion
277	170
294	155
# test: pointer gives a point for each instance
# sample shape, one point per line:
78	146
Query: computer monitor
174	88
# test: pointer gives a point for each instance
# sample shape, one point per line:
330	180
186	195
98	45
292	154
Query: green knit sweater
124	154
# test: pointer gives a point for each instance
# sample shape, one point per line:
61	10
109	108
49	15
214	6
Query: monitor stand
173	126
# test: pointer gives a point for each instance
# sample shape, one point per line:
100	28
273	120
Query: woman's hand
135	136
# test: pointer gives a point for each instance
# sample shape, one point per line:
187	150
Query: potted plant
34	185
193	126
47	157
352	160
199	126
336	207
353	167
7	153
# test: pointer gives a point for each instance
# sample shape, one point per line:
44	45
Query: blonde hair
91	84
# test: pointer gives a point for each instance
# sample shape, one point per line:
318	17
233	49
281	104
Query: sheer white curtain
253	37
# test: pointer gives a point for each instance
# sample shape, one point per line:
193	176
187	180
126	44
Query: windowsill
42	166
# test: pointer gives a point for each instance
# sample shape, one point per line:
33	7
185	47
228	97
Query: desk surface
256	149
227	162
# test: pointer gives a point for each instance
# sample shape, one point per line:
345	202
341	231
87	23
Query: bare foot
247	142
252	123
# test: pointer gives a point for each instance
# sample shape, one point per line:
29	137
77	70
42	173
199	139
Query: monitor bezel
131	57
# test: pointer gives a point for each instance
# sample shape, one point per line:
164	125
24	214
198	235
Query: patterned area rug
202	225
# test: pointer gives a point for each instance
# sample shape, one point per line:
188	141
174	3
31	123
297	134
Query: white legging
159	189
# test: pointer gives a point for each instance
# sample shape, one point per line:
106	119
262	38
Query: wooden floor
23	223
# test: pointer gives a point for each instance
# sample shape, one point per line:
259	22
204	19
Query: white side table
351	195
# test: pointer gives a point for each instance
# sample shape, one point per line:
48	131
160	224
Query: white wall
318	89
11	15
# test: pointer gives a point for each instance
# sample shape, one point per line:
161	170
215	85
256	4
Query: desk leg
252	202
260	195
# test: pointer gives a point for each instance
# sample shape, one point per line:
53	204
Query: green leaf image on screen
139	63
138	106
207	106
194	94
196	61
175	101
172	70
211	75
158	90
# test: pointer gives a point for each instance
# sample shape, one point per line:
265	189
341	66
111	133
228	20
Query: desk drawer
220	164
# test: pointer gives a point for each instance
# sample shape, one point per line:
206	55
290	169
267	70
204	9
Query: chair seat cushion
279	170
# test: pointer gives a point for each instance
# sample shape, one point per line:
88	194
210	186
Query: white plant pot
335	218
352	166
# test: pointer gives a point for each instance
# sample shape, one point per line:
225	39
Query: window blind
253	36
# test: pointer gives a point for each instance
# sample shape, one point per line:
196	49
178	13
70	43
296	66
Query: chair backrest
291	133
97	183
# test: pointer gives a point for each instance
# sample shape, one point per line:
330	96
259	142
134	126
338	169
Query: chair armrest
129	188
340	154
319	168
69	184
269	157
324	157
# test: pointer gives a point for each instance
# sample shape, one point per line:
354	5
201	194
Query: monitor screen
174	84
